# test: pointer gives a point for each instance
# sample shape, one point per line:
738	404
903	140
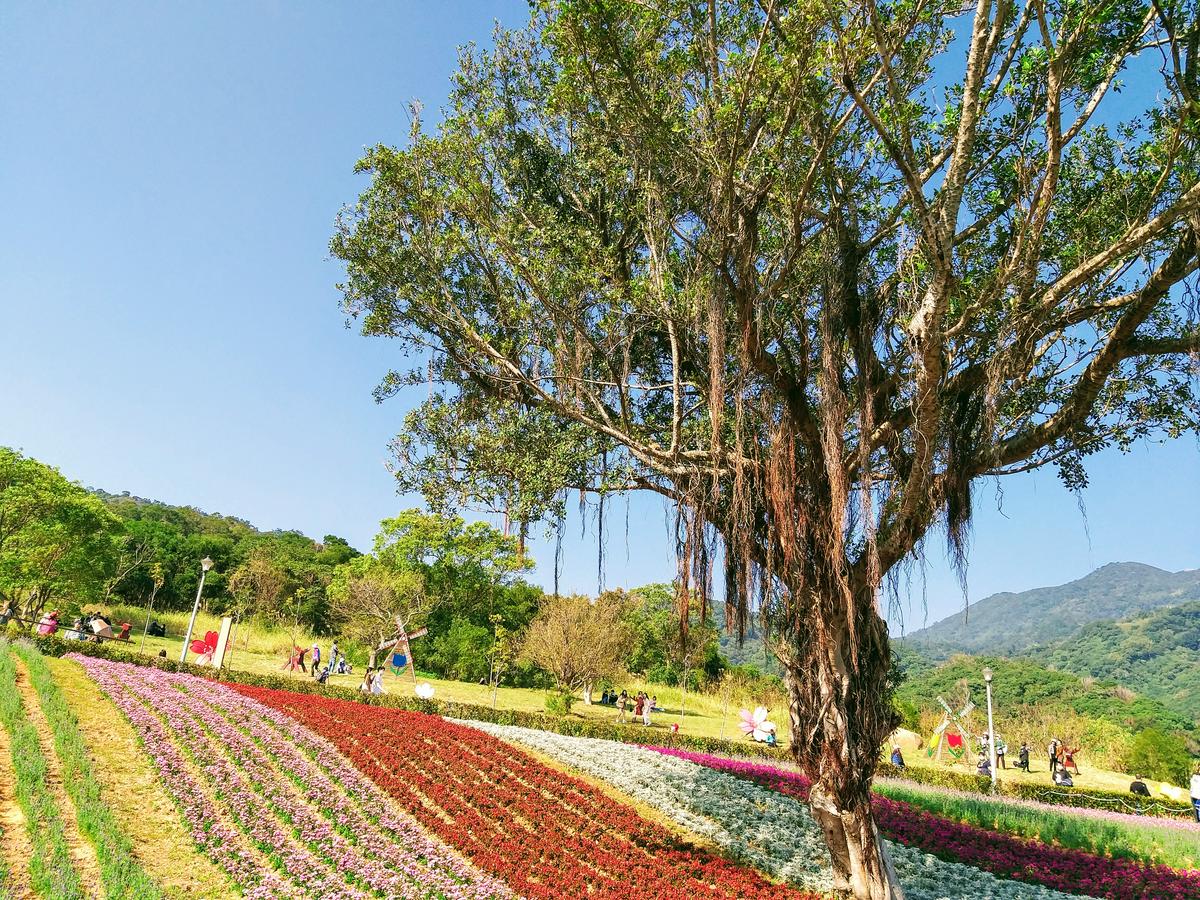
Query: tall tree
809	271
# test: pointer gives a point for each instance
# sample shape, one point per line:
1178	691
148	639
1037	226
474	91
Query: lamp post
987	678
205	565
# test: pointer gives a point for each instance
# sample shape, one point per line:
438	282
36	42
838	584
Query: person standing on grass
316	658
1052	750
647	706
1023	757
377	681
333	656
1001	749
637	706
622	702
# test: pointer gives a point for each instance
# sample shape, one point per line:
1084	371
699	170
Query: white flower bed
772	832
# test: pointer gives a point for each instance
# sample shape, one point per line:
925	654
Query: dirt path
14	839
83	854
131	786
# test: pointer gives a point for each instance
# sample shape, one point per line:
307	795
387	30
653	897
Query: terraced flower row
775	830
548	835
275	805
1010	857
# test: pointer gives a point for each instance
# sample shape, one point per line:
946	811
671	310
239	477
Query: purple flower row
1072	871
342	794
210	828
311	830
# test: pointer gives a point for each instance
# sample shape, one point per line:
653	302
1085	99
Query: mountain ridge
1009	623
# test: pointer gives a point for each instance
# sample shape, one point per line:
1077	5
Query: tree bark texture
841	714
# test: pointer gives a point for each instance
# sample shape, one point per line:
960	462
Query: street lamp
987	678
205	565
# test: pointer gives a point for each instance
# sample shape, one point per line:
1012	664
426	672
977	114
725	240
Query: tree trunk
841	713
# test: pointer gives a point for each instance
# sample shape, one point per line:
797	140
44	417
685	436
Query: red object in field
954	740
208	645
124	635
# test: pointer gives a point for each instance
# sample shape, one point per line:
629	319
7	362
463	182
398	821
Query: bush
1160	755
558	703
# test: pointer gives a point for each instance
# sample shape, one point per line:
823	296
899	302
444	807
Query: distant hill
1026	684
1010	624
1157	655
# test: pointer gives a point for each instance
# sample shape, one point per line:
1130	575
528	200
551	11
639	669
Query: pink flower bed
1021	859
1086	812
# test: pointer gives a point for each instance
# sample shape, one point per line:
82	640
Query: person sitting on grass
983	767
1063	778
897	757
1138	786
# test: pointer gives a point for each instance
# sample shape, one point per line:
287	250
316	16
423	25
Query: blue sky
169	323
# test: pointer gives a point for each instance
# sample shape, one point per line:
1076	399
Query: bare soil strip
83	854
132	789
14	839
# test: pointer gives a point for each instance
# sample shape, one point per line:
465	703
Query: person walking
316	658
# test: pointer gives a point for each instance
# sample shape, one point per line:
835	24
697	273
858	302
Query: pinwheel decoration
424	690
205	648
756	724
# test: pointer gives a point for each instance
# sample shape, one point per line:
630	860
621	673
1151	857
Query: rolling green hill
1157	655
1010	624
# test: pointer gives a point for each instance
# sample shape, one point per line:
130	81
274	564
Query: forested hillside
1157	655
1010	624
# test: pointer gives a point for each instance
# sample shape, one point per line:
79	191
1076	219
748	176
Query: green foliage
51	871
458	579
1157	655
1161	756
123	876
658	651
558	703
1029	697
58	543
461	652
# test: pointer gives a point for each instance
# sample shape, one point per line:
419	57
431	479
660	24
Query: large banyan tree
809	270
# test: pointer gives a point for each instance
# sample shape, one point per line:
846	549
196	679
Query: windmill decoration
206	648
956	742
756	725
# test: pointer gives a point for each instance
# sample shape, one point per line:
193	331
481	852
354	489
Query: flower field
284	795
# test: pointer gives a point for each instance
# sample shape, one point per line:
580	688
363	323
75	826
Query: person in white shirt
377	681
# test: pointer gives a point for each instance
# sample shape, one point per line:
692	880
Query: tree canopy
810	272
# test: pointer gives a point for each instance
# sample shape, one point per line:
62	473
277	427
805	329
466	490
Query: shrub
558	703
1160	755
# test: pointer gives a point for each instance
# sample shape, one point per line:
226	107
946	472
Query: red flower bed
547	834
1005	855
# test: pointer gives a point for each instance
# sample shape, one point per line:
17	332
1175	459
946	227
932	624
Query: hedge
52	645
